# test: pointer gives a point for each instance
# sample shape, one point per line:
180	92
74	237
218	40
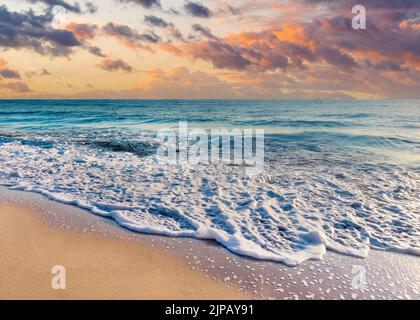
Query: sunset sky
162	49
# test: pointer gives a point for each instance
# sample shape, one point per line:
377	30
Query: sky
213	49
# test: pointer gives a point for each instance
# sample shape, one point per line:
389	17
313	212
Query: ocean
338	175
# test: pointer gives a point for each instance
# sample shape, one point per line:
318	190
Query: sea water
338	175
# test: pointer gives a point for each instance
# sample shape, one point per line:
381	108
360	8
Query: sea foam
305	203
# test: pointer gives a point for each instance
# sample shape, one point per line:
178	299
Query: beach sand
104	260
96	267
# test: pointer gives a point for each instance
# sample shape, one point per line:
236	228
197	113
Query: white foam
294	212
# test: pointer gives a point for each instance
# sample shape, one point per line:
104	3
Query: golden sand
96	267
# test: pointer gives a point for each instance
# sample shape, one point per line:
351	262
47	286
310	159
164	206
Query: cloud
388	65
129	36
115	65
19	87
175	83
336	58
34	73
85	32
154	21
373	4
197	10
300	45
9	74
96	51
51	3
206	32
144	3
221	54
182	83
30	31
91	8
6	72
234	11
82	31
253	51
150	36
296	47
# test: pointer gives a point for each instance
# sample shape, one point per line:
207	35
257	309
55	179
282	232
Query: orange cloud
168	47
406	24
115	65
180	82
3	63
82	31
18	87
296	34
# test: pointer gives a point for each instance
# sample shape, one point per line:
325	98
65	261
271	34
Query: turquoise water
339	175
390	128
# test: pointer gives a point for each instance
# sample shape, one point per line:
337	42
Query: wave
302	206
139	148
339	138
297	123
347	115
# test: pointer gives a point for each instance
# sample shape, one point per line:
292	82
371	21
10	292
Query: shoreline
389	275
96	267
